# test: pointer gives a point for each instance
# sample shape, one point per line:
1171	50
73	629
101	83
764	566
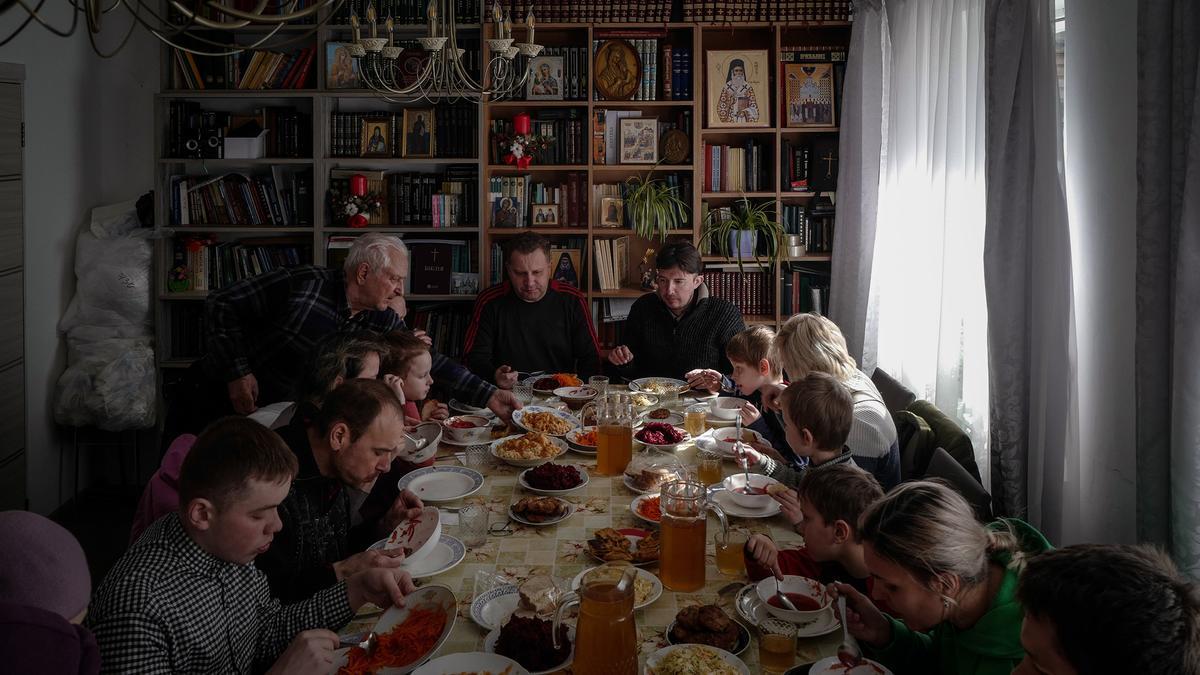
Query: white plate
544	392
751	609
490	610
463	409
575	445
489	646
558	442
656	590
634	535
518	417
471	662
629	484
667	447
633	507
732	508
743	639
640	384
826	666
583	474
654	659
674	419
446	555
432	596
442	483
459	444
570	512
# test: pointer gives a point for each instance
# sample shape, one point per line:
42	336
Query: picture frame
618	70
612	212
639	140
506	212
418	133
738	88
341	69
544	215
375	138
566	265
545	79
809	99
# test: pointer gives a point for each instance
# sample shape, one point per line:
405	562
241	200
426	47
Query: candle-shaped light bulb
371	18
431	12
355	25
497	17
391	27
529	22
507	32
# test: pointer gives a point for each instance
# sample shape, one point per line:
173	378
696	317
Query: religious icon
546	80
376	138
737	80
639	140
418	132
618	70
808	95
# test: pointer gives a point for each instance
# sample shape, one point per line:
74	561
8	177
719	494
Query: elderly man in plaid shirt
261	329
187	598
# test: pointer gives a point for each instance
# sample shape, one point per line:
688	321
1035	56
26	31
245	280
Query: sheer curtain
927	292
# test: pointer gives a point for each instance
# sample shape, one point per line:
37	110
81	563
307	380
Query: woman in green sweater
950	580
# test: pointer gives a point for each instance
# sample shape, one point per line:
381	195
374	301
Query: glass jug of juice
684	506
614	432
606	635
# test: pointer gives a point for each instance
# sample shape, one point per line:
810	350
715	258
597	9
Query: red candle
358	185
521	123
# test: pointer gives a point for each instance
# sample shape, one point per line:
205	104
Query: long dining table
560	550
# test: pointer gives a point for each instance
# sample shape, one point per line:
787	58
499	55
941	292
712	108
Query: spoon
783	599
742	452
847	652
364	641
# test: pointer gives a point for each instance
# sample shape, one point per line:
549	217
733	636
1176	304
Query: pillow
943	466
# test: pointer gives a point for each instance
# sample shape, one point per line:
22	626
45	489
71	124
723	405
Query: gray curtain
1027	266
1168	279
860	150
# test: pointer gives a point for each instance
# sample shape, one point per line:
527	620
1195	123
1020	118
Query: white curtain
927	293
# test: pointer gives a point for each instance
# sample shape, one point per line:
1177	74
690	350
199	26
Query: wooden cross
829	159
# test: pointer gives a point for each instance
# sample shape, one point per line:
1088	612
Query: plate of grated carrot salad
408	635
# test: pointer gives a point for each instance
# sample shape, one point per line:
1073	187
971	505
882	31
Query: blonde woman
950	580
810	343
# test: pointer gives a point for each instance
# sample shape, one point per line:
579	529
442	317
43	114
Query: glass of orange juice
776	645
693	421
730	561
708	468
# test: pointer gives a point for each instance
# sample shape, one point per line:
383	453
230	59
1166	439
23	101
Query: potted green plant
734	232
653	205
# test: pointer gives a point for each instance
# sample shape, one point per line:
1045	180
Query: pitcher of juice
614	432
606	636
684	505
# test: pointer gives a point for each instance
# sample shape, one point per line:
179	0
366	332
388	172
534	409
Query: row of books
804	289
441	131
751	290
261	69
678	62
595	11
813	224
279	198
508	197
450	199
612	263
724	11
201	263
445	323
570	197
571	84
730	168
187	330
405	11
647	51
196	133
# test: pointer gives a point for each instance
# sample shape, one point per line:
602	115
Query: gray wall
88	141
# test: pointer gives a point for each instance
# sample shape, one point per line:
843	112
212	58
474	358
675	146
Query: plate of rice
694	660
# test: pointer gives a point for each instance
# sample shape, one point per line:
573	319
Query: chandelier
443	75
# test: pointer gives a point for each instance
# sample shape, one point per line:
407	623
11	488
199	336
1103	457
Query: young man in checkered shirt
187	598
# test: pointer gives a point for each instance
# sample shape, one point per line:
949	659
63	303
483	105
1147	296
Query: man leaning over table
530	322
341	449
679	327
260	330
186	597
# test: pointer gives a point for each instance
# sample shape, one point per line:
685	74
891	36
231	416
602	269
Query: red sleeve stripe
493	293
570	290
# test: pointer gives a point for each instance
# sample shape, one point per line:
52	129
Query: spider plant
654	206
722	225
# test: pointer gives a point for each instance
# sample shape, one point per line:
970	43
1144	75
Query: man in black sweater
530	322
679	327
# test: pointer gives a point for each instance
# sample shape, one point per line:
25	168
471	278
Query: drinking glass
524	392
473	524
599	383
478	457
730	560
776	645
694	420
709	468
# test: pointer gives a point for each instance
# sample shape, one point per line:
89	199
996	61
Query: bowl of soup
468	429
726	407
809	596
753	493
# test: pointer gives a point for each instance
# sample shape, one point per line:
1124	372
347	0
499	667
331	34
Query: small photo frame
376	138
612	212
545	214
639	140
738	88
341	69
566	265
808	95
506	212
418	133
545	79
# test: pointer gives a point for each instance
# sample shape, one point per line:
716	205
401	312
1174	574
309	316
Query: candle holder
499	45
432	44
528	49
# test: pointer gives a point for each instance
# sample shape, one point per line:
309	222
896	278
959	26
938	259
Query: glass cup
730	560
524	392
708	468
599	383
473	525
694	420
478	457
776	645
